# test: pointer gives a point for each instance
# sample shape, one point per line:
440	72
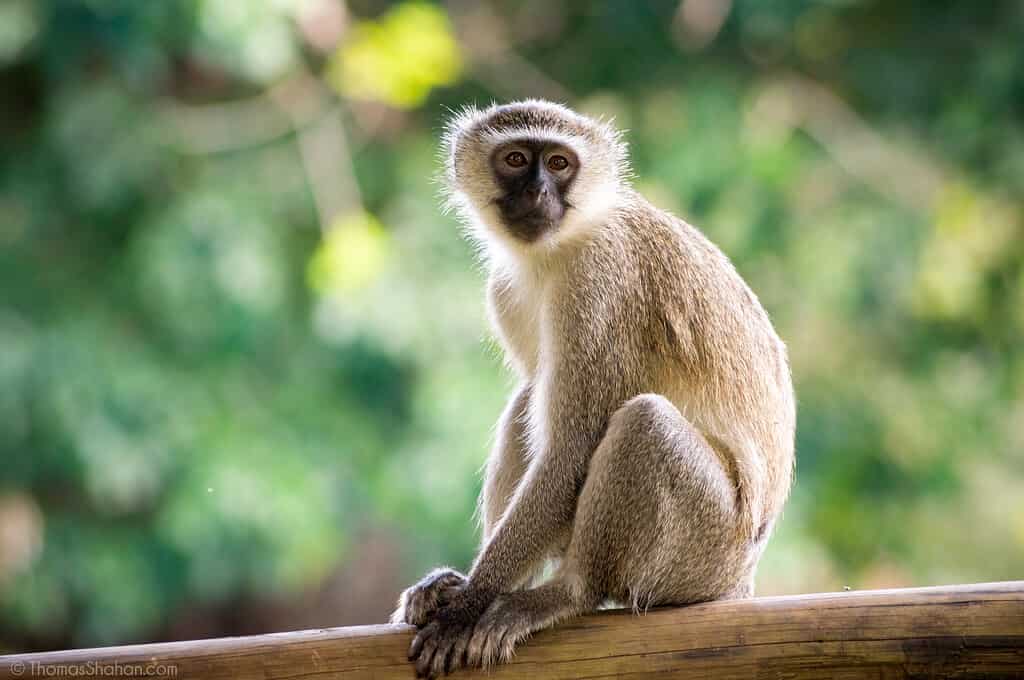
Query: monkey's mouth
531	227
528	223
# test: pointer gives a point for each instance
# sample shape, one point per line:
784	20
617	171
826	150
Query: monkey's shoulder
696	300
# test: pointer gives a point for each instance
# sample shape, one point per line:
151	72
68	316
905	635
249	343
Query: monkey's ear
461	120
458	123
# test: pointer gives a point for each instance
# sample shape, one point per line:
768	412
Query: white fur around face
472	190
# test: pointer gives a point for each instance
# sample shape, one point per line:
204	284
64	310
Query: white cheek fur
486	229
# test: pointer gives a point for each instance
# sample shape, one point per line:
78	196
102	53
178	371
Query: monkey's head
532	173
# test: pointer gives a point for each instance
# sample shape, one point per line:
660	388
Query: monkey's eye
516	159
558	163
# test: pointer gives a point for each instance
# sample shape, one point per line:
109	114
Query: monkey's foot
440	646
505	624
418	603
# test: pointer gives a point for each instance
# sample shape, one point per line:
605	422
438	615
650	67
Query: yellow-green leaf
399	58
352	253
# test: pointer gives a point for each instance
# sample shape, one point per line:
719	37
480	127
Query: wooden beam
968	631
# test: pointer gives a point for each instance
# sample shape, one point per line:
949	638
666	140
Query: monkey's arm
507	463
572	407
505	469
566	429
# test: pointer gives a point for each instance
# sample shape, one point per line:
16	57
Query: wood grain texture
967	631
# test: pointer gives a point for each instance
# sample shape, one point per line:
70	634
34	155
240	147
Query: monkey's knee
651	444
645	411
649	438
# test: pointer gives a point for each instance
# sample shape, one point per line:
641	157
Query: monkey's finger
456	659
485	646
420	639
474	649
426	664
504	644
492	650
423	661
442	659
416	646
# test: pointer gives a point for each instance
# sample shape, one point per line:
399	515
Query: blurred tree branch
493	59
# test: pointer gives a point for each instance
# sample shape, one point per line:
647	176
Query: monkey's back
711	348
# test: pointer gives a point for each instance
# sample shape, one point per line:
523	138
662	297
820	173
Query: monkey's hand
419	602
440	646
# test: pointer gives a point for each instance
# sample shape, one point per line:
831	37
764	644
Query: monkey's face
533	179
532	176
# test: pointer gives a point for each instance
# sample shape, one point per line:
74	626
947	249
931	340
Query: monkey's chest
520	323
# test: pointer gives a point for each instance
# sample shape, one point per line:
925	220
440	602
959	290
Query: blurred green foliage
240	346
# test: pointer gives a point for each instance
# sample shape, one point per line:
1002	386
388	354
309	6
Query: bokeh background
246	383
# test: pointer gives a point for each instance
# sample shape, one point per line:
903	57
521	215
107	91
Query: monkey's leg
656	523
658	520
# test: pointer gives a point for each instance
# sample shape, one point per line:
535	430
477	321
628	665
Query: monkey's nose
536	193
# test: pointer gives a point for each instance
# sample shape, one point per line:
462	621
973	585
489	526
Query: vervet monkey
648	448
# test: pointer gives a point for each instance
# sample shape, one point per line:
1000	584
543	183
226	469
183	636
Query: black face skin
534	178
